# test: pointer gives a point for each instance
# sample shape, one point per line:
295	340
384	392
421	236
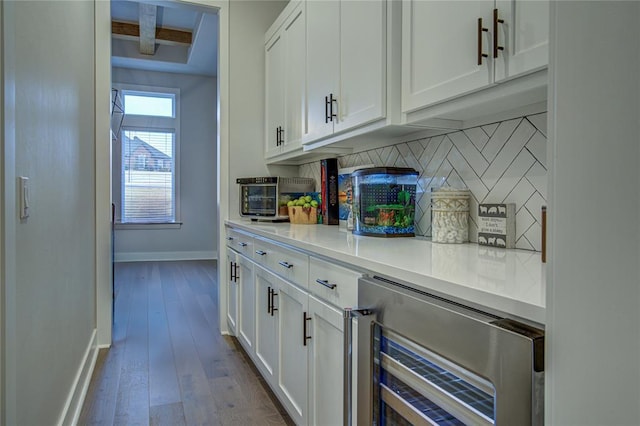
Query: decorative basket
450	216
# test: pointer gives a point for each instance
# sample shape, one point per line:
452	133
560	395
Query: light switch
23	189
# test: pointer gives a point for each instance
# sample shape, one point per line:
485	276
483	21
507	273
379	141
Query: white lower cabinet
326	362
295	336
266	341
292	355
232	291
246	329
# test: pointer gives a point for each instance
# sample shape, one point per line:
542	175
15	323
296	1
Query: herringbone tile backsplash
502	162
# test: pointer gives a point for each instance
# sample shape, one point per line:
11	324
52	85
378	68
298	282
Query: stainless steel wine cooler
424	360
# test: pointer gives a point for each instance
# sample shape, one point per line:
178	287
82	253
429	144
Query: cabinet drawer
263	252
240	242
335	284
288	263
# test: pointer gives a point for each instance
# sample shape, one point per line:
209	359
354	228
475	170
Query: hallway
168	364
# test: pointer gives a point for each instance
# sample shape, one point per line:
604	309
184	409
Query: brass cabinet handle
480	30
326	284
496	21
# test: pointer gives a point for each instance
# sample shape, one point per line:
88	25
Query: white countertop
505	281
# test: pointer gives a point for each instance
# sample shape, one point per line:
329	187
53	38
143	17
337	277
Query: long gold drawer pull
286	264
326	284
261	252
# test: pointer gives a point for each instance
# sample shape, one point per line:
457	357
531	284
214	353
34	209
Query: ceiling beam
147	19
130	31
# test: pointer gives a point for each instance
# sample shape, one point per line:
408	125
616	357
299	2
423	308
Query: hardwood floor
169	364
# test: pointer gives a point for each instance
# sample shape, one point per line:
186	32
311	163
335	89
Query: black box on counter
329	191
497	225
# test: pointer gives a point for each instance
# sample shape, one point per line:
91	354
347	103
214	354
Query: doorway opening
164	164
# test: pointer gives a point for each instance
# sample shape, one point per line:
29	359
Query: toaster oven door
258	200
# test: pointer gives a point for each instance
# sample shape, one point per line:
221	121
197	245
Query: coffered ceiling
164	36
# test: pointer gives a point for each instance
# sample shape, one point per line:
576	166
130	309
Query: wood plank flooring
169	364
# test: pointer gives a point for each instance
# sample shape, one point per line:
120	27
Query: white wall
593	290
197	237
51	293
249	21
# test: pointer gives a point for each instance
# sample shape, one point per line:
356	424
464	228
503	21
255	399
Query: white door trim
102	28
8	218
104	294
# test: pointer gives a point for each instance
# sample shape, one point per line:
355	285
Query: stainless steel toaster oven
262	197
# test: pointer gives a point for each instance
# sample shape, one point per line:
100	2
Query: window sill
148	226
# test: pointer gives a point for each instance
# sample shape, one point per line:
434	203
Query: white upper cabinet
285	81
439	50
451	48
524	36
346	65
323	55
362	63
274	57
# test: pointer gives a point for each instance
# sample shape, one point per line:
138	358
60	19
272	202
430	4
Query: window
148	176
149	104
148	158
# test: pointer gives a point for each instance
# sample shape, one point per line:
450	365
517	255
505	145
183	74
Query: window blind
148	176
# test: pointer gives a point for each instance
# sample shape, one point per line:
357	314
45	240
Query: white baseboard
165	256
73	406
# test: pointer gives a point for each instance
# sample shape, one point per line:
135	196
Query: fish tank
384	201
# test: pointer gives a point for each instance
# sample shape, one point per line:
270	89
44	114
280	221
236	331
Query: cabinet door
292	377
323	55
325	364
440	50
294	85
232	292
246	304
266	340
362	63
524	35
274	93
